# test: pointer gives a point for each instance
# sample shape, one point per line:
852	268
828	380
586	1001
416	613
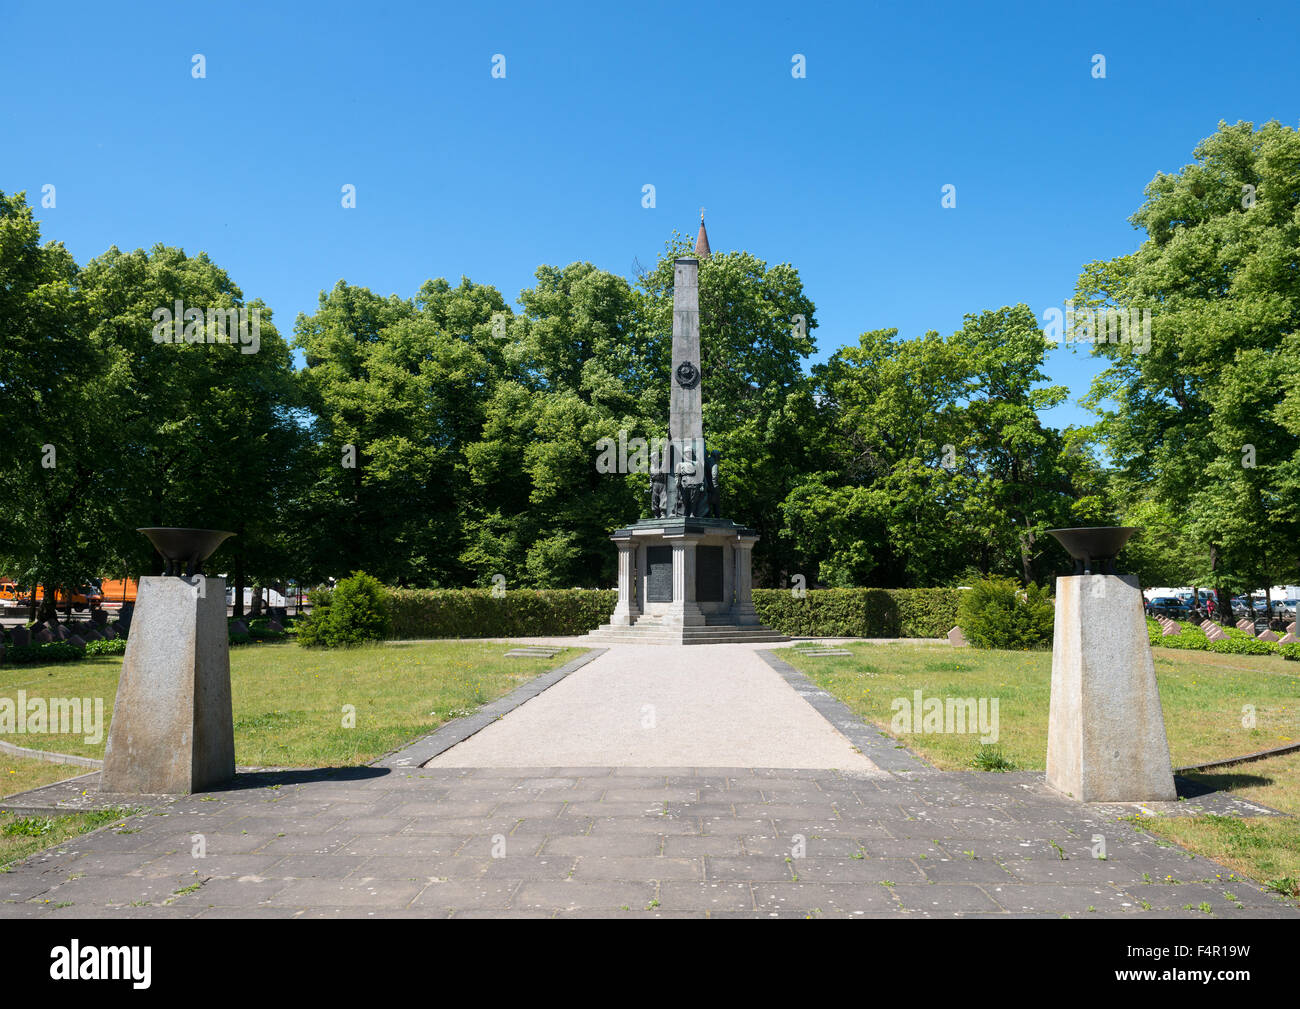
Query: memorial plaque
659	574
708	574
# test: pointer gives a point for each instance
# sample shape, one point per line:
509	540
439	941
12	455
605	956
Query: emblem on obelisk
688	376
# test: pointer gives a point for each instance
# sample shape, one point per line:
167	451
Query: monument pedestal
172	731
684	581
1106	732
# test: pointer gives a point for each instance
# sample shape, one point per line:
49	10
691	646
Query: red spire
702	250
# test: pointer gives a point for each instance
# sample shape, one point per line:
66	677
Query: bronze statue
659	488
690	483
713	508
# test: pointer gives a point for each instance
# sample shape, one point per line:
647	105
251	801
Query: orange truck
86	596
120	590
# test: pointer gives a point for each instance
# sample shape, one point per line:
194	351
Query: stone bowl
184	547
1094	548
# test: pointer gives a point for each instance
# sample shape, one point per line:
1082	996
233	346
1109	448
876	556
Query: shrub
1290	651
997	613
108	646
50	651
859	613
1241	644
476	613
1192	638
355	611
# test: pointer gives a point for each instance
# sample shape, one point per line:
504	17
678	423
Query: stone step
661	634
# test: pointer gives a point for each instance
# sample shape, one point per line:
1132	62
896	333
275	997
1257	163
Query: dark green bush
356	610
998	613
476	613
859	613
50	651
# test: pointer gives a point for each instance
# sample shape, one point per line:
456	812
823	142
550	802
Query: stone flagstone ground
885	837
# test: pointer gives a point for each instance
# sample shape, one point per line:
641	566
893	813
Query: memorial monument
1106	737
684	573
172	731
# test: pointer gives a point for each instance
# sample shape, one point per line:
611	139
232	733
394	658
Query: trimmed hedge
475	613
859	613
49	651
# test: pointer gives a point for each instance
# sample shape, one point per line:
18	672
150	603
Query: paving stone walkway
409	841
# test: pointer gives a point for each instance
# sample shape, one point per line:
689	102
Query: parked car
1167	606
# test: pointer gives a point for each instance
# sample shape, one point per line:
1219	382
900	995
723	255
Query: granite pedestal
685	581
1106	732
172	731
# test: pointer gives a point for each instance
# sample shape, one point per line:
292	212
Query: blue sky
839	173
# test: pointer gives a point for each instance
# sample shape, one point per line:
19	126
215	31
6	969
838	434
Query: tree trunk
1026	558
47	609
1222	602
239	583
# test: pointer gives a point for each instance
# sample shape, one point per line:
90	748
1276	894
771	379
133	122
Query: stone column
1106	732
172	732
742	610
626	611
684	610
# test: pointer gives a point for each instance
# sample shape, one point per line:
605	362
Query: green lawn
18	774
289	702
1202	695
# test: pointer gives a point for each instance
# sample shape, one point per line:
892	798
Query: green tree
396	390
1201	417
54	463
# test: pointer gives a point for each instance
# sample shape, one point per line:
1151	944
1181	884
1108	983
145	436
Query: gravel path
647	706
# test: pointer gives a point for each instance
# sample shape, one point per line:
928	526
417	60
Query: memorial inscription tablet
708	574
659	574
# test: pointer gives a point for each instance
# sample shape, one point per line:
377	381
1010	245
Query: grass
291	703
19	774
1265	848
1202	695
20	836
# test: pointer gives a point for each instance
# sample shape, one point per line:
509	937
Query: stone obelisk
684	574
686	415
